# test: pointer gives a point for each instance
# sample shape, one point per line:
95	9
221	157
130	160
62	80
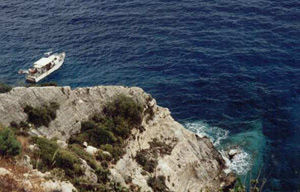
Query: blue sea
228	69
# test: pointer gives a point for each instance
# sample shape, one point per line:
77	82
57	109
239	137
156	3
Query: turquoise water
228	69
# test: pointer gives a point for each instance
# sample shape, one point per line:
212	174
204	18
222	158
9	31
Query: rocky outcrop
193	163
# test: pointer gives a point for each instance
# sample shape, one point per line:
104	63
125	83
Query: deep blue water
219	66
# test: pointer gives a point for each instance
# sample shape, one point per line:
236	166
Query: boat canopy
43	61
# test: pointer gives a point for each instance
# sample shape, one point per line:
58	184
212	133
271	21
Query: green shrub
53	156
47	149
95	134
110	128
121	128
107	147
102	136
24	125
88	125
68	161
100	156
41	115
84	155
158	184
102	175
4	88
17	127
125	107
141	158
79	138
115	151
9	145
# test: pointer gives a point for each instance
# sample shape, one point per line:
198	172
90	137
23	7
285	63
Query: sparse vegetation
41	115
4	88
146	160
9	145
256	185
46	151
158	184
109	129
84	155
161	147
20	129
17	181
53	156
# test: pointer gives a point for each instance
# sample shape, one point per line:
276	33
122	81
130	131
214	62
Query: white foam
240	163
215	134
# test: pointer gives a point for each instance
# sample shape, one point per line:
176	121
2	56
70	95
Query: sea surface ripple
227	65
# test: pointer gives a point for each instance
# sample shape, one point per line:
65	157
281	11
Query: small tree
9	145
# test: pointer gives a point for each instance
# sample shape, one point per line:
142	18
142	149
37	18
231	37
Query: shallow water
231	65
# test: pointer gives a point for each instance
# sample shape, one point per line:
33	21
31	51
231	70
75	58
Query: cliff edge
186	161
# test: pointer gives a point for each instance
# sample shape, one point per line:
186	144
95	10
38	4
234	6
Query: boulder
232	153
89	174
91	150
61	186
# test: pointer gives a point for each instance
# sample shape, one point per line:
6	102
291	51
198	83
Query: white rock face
88	172
193	165
61	186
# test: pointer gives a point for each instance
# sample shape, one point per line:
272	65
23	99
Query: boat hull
35	79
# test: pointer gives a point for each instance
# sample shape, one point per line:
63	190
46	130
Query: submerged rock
232	153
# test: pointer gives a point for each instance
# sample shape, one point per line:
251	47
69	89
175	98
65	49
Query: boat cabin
44	64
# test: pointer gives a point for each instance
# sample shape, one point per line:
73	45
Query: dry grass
17	181
24	142
9	184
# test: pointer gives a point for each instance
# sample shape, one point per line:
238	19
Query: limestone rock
61	186
26	161
192	165
89	174
232	153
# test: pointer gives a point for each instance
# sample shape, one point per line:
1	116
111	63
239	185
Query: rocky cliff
191	163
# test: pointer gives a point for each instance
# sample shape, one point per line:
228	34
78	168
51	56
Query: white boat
44	66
